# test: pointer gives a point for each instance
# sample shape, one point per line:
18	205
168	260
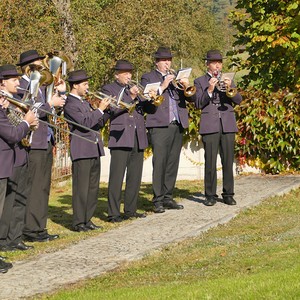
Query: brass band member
127	141
165	127
12	220
85	156
40	158
217	128
9	135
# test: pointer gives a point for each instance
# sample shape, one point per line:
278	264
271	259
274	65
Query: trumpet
24	107
222	86
188	91
94	97
152	96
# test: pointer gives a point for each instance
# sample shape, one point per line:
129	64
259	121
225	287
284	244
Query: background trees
269	117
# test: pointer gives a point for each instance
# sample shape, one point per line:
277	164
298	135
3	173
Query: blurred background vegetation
260	37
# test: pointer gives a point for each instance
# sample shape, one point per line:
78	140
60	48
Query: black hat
213	55
163	52
28	57
9	71
78	76
123	65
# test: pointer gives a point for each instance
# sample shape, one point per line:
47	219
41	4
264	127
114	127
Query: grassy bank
254	256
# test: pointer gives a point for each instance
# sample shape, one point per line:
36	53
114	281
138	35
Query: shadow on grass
61	212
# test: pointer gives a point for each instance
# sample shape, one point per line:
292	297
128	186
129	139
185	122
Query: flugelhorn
222	86
188	91
94	97
152	96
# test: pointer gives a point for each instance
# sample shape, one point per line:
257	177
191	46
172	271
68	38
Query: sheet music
183	73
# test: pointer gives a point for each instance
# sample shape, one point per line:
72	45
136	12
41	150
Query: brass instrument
25	107
157	100
188	91
57	63
15	113
117	103
222	86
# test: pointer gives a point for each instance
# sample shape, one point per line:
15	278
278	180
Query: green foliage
269	32
269	131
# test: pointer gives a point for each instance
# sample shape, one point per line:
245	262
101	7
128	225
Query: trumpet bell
231	92
158	100
190	91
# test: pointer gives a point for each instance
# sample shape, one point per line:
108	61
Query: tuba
222	86
157	100
188	91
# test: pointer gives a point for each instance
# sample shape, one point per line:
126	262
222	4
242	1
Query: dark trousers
39	182
166	144
131	161
85	187
12	220
224	144
3	186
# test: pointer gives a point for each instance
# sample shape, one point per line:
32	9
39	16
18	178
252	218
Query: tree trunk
64	13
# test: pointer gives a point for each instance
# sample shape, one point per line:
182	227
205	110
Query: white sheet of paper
151	87
229	75
183	73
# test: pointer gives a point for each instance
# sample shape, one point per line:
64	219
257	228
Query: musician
40	157
217	128
127	141
85	155
165	128
12	220
9	135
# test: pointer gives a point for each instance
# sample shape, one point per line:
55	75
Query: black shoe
4	266
210	201
52	237
93	226
6	248
134	216
158	208
21	246
117	219
80	228
171	204
229	200
38	238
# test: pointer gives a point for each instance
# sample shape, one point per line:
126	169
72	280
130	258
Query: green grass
254	256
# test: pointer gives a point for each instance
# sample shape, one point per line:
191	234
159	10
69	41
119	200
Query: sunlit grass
254	256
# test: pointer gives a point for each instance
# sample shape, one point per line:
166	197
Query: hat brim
79	80
26	62
11	76
162	56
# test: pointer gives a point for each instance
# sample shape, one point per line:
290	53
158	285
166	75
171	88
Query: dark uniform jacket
9	135
219	107
81	112
124	125
161	116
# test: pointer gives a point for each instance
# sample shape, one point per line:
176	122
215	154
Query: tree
269	117
268	30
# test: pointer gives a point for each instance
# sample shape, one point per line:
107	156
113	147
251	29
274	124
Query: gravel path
97	255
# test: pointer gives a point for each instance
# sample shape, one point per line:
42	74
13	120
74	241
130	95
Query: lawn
254	256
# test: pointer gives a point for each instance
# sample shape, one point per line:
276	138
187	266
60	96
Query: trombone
26	107
157	100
